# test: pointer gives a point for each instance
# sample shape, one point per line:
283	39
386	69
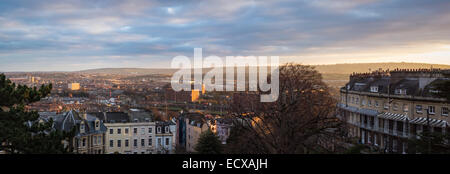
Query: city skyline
71	36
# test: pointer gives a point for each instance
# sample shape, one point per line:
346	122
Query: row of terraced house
116	132
384	109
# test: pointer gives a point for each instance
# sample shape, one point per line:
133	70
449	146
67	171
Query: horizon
169	68
53	35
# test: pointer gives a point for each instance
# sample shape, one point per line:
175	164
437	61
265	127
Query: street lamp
429	130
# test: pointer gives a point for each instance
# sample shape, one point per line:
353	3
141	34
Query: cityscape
97	77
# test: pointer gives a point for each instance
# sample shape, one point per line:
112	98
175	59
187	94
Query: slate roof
364	83
112	117
72	119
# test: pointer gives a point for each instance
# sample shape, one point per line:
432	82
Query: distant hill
364	67
325	69
136	71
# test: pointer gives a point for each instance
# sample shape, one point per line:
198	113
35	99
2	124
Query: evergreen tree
209	143
21	131
430	143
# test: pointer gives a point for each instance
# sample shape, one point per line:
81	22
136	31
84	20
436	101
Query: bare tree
302	120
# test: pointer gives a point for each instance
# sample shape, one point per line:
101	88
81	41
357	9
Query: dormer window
400	91
159	129
97	124
434	91
82	127
167	129
374	89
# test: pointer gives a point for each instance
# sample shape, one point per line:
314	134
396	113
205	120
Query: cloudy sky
57	35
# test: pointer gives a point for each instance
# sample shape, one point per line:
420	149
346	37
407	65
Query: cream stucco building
386	108
130	138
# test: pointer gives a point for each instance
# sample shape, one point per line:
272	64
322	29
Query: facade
165	132
386	108
194	128
128	137
74	86
221	127
182	128
89	132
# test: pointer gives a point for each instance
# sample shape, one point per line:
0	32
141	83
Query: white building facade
130	138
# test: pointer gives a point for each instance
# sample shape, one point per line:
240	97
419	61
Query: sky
58	35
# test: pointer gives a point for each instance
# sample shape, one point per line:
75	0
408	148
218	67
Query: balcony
380	129
402	134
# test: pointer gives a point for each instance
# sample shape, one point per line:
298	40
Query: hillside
335	71
124	71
